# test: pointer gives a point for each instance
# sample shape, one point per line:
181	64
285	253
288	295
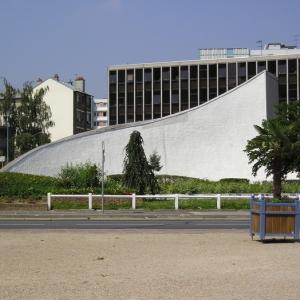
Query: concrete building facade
150	91
206	141
70	105
100	113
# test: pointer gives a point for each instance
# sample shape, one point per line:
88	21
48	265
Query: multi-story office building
148	91
100	113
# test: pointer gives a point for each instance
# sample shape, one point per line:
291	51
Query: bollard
49	201
133	201
176	202
218	201
90	201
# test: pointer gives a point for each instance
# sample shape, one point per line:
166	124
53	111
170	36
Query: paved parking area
133	264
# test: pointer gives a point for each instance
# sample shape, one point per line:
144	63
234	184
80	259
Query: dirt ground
99	264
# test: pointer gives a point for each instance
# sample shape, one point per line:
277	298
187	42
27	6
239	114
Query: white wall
60	100
204	142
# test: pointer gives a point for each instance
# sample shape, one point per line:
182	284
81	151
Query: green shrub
116	177
79	176
239	180
25	185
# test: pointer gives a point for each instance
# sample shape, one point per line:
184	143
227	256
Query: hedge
31	186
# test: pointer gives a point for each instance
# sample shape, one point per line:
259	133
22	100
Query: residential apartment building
100	113
70	105
149	91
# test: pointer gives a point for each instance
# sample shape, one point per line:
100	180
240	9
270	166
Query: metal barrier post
252	199
297	218
262	220
133	201
176	202
218	201
49	201
90	201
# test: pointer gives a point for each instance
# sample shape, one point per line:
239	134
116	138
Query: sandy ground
152	265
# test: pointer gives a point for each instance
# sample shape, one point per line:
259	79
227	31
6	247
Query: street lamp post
102	177
7	139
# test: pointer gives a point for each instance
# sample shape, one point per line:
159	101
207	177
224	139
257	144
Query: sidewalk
138	214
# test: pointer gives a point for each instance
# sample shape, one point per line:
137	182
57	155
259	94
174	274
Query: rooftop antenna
260	45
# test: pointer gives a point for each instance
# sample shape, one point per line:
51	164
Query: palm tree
276	149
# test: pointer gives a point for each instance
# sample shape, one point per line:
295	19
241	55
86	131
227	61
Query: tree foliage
8	108
276	148
33	119
30	119
8	114
138	174
154	161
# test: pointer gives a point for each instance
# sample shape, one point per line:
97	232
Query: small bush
79	176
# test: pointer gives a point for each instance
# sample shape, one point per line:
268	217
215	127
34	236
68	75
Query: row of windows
100	113
99	124
143	94
83	101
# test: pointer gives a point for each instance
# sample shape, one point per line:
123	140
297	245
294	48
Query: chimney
56	77
79	84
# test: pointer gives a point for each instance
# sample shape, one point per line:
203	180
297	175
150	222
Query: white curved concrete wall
204	142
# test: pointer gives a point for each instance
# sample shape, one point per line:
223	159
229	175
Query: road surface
124	224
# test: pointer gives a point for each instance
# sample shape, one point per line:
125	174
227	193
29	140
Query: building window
292	73
130	96
175	89
272	67
112	76
184	88
241	72
261	66
251	69
166	91
222	72
121	96
139	95
203	83
156	93
282	80
193	86
148	94
231	76
212	81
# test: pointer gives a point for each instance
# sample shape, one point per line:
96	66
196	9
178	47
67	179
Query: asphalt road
124	224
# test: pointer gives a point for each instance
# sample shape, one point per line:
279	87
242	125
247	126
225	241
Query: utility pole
7	139
102	170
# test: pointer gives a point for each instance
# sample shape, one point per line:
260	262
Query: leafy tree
154	161
33	119
276	147
8	111
138	173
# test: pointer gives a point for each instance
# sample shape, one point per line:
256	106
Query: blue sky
41	37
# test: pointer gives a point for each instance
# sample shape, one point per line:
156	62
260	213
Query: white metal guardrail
174	197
